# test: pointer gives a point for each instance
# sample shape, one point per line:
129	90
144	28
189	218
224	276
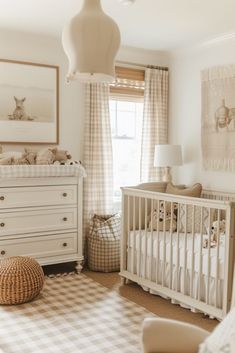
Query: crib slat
200	256
192	249
151	242
178	247
164	245
217	260
171	252
229	276
158	245
185	249
145	237
134	238
139	251
209	261
128	226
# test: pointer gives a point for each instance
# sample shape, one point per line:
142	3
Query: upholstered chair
169	336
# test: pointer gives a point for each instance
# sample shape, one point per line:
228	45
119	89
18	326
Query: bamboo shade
129	82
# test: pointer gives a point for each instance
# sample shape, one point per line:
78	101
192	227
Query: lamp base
167	175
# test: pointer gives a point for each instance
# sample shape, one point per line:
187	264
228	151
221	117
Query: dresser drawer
42	220
39	247
38	196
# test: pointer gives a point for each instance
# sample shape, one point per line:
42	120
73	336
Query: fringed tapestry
218	118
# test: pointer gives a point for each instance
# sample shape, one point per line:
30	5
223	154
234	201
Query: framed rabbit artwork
29	103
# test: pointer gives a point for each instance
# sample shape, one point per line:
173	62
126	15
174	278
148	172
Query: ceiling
149	24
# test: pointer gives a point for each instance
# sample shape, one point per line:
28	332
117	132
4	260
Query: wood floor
157	305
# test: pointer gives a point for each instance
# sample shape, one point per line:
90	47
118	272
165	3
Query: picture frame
29	103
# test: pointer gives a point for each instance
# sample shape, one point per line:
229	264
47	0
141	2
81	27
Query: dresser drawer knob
65	244
2	198
65	194
2	224
65	219
3	252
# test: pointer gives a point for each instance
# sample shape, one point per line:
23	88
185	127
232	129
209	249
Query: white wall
185	110
43	49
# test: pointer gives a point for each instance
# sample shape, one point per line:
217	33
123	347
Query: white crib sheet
181	279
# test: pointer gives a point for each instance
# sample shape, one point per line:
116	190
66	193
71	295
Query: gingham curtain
155	121
98	157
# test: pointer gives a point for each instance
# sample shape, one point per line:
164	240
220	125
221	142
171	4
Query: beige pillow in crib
185	222
193	191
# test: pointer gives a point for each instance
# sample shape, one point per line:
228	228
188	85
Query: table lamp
167	156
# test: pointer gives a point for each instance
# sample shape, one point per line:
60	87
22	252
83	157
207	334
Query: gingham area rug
74	314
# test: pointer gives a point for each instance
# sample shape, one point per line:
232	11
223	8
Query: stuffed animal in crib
215	232
214	229
156	219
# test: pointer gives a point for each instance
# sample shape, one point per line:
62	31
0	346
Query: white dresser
42	218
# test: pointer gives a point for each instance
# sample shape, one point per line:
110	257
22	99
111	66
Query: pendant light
91	41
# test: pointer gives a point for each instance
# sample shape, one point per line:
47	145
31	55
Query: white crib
172	262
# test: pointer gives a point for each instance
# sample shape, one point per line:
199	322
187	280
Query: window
126	124
126	114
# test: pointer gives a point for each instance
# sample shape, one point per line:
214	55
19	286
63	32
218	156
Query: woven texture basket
104	243
21	280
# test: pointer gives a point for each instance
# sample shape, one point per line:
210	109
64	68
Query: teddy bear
44	157
214	233
214	229
30	156
156	220
60	156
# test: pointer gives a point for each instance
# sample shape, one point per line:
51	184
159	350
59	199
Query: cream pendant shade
91	41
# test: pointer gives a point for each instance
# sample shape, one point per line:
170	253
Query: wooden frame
159	259
35	121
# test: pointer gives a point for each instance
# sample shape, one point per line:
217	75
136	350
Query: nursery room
117	166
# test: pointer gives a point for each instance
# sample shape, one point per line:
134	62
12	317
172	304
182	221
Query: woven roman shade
129	83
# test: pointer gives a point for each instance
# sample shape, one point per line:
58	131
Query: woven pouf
21	280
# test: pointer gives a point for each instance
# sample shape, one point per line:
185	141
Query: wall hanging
218	118
29	103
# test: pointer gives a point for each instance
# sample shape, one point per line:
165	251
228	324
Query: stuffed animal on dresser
8	158
45	156
60	156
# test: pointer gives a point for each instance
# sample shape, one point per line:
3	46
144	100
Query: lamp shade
91	41
167	155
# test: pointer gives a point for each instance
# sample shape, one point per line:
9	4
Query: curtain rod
164	68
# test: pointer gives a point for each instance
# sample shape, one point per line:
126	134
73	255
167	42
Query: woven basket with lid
21	280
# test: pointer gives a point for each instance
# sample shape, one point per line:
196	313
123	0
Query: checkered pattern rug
73	314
